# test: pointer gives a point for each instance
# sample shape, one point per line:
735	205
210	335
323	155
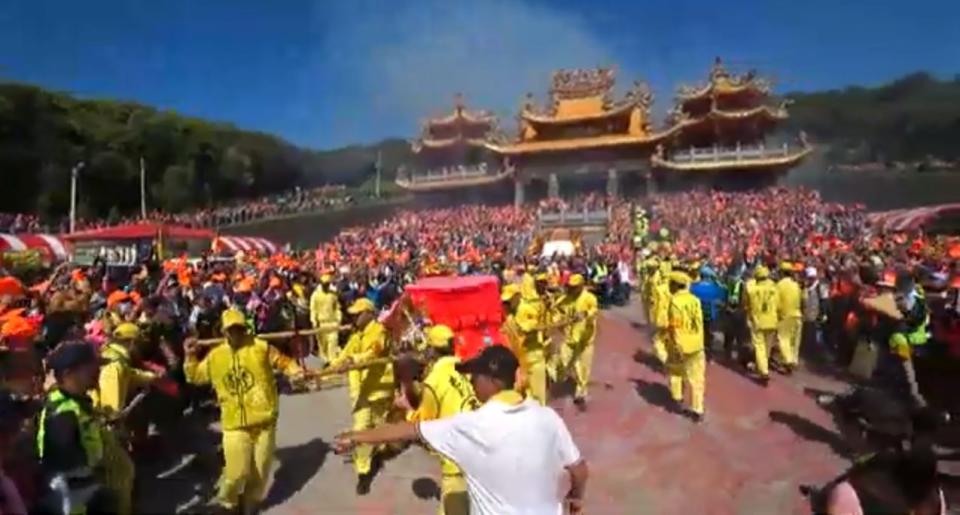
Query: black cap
496	361
70	356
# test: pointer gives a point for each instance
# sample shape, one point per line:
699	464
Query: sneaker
363	483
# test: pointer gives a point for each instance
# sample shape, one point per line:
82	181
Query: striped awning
246	244
53	246
911	219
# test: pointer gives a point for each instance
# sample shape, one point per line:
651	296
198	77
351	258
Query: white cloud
410	58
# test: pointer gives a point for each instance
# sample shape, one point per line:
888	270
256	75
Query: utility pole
74	174
143	189
376	184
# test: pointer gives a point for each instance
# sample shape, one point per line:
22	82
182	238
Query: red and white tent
246	244
911	219
53	246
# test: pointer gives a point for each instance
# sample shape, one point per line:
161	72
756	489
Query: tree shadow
425	488
656	394
298	464
813	432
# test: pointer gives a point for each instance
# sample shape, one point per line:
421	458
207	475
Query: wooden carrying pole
274	336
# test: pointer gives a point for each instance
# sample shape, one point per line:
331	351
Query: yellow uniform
116	378
243	379
762	305
687	360
661	318
577	350
515	339
371	388
530	319
325	314
791	322
445	393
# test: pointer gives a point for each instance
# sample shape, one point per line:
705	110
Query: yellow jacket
686	322
116	378
762	304
372	383
789	296
661	305
515	338
445	393
243	380
586	307
530	317
324	308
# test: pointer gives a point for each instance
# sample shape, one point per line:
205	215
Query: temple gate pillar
613	183
517	192
553	186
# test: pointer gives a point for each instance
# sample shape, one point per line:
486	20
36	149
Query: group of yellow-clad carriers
773	318
241	367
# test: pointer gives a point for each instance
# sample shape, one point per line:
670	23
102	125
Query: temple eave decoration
756	158
418	145
567	108
452	180
721	82
587	143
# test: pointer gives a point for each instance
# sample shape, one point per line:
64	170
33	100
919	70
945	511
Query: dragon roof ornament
580	83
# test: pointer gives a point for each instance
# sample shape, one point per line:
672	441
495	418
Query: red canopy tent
469	305
141	231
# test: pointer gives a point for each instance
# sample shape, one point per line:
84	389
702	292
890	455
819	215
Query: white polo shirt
513	454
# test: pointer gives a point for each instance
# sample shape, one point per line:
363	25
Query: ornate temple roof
459	127
721	82
461	114
771	113
583	95
591	142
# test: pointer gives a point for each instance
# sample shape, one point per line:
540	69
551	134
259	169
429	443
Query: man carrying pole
241	371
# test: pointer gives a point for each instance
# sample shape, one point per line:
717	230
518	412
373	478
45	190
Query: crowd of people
774	269
291	202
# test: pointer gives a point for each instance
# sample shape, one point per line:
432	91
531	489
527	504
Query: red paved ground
645	459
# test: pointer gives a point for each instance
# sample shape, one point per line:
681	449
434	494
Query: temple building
582	131
452	153
723	125
715	134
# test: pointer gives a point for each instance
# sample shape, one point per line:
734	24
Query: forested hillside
910	119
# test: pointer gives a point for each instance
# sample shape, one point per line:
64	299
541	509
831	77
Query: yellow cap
126	331
575	280
786	266
509	292
439	336
361	306
325	278
680	278
761	272
232	318
542	277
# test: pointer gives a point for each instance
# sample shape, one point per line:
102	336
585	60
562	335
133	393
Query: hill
914	118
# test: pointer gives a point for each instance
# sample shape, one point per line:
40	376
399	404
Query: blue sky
325	73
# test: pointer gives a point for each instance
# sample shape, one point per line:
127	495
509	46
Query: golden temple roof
453	181
584	95
722	82
583	143
460	113
760	159
767	112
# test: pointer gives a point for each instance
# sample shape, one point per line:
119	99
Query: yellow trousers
368	414
578	357
537	377
692	369
247	454
119	472
453	496
328	346
762	340
660	337
788	337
